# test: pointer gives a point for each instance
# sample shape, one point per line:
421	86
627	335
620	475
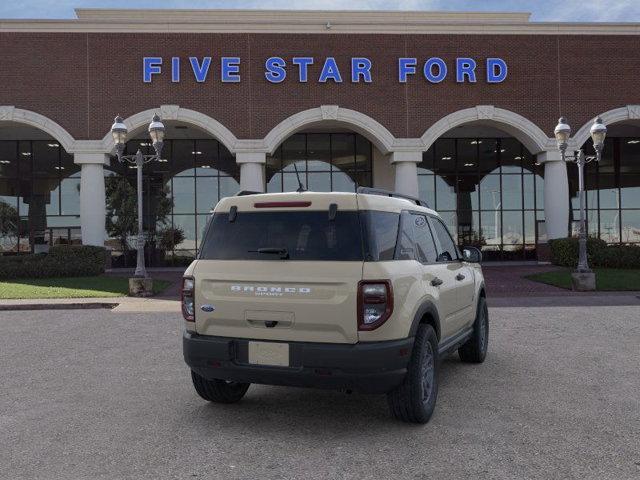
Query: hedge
61	261
564	252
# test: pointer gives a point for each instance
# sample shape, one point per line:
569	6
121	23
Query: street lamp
598	133
156	132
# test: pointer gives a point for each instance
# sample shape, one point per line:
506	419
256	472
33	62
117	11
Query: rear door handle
460	277
436	282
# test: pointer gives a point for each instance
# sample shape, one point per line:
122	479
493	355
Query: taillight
188	300
375	303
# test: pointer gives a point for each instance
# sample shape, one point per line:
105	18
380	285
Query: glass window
512	192
445	156
447	249
318	150
304	236
445	193
426	188
610	226
425	246
183	157
207	193
630	226
405	249
325	162
381	233
629	155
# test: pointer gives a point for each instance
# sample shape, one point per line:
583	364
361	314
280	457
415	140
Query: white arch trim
175	112
382	138
10	113
617	115
516	125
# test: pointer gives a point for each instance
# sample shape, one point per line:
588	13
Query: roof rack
389	193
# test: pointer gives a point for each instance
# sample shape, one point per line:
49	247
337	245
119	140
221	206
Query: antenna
300	186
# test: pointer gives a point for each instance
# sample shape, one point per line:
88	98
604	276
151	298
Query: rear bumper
375	367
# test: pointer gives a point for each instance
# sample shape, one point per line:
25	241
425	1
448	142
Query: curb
57	306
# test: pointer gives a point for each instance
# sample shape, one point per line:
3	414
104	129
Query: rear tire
219	391
415	399
475	349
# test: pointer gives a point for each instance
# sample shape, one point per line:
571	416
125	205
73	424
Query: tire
219	391
475	349
415	399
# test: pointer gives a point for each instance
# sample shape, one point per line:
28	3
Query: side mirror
471	255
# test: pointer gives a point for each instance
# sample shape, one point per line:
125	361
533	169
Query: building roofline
310	21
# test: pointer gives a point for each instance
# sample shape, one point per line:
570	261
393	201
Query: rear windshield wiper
284	254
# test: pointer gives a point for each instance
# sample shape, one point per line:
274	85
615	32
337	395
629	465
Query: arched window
325	162
179	192
39	193
489	192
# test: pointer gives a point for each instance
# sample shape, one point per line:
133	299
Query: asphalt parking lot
99	394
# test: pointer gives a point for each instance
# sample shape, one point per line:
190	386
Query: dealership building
456	108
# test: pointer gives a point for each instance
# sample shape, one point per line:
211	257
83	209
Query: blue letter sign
434	69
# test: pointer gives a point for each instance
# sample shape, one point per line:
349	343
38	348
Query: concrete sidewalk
117	304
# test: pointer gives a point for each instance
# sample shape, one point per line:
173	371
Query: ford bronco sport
352	291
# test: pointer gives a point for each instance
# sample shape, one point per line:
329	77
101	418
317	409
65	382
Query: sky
542	10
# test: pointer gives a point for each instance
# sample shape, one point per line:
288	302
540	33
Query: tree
9	223
122	210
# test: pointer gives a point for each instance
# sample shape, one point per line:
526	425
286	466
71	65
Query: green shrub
564	252
61	261
619	256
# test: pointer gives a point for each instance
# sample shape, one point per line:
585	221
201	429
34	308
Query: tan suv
351	291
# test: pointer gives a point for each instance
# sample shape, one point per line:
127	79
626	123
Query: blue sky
542	10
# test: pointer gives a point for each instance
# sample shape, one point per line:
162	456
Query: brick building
457	108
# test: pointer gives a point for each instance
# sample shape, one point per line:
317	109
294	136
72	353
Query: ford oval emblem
207	308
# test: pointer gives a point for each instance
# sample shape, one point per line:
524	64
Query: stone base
140	287
583	281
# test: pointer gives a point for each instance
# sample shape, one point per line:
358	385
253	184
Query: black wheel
475	349
415	400
219	391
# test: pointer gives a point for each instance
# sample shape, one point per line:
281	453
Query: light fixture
598	134
162	160
562	133
517	158
58	168
503	150
53	145
25	154
119	131
145	144
469	164
476	142
4	162
446	158
196	153
205	166
156	132
633	142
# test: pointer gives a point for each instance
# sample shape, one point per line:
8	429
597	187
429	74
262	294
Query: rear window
308	235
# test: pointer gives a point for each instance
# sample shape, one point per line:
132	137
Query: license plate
269	353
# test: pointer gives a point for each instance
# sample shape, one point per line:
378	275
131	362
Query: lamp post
156	132
583	278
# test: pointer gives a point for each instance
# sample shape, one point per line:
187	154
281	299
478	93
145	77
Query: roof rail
242	193
389	193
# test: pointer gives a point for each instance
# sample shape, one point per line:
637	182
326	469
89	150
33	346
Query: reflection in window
39	196
488	191
612	191
325	162
179	191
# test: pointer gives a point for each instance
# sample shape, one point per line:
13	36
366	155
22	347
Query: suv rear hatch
281	267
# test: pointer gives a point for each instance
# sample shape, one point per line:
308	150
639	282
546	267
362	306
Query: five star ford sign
361	69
